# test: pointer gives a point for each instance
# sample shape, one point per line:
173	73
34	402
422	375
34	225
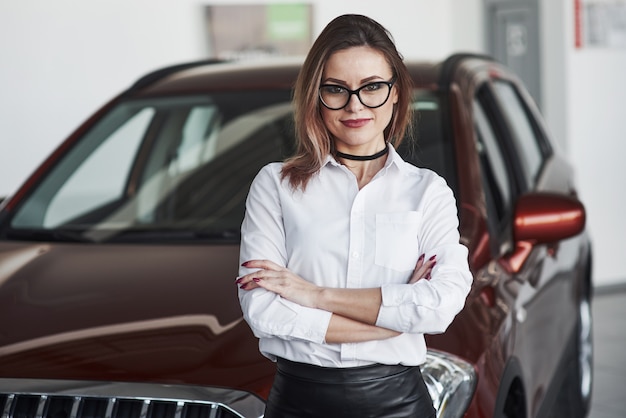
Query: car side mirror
543	218
547	217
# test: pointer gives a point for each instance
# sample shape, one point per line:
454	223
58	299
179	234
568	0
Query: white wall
597	116
554	25
61	60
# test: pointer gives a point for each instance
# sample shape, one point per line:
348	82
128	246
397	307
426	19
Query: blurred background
60	60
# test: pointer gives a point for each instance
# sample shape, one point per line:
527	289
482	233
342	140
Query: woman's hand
423	269
281	281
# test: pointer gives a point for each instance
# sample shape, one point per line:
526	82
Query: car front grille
26	398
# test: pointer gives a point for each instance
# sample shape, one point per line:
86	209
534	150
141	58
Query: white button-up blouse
335	235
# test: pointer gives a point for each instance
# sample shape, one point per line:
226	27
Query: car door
542	308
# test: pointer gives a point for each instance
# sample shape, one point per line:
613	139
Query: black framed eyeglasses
372	95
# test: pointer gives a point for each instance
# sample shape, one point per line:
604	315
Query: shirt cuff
393	296
312	324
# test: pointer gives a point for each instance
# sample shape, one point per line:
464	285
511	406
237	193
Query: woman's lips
355	123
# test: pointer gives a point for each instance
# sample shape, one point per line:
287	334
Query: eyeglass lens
371	95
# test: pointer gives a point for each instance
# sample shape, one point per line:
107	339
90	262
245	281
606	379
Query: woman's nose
354	103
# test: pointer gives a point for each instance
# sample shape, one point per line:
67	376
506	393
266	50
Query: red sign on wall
578	36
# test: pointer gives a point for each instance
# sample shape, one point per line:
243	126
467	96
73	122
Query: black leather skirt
377	391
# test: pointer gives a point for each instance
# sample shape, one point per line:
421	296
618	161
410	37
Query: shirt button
355	255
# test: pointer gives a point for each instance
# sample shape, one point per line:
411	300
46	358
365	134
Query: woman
349	254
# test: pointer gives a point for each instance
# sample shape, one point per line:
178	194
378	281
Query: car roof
214	75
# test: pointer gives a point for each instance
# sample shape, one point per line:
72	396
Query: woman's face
356	128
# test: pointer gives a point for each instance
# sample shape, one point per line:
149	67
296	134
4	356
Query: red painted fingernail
432	258
244	264
243	286
256	280
427	276
239	279
421	257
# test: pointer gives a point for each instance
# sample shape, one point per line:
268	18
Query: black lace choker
363	157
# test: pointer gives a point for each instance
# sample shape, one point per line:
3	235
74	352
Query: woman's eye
334	90
373	87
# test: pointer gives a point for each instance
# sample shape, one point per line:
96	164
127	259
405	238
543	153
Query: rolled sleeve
429	306
269	316
263	238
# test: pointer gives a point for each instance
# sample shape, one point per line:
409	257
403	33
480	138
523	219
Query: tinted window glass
495	175
101	177
429	147
179	168
171	166
525	141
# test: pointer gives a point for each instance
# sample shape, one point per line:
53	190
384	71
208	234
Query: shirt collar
394	159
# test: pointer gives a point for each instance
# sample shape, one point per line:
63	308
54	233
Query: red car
118	255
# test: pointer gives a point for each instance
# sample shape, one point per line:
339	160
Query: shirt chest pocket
397	245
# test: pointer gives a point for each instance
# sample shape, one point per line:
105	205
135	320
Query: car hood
160	313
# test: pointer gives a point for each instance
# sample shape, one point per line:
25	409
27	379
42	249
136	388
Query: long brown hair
314	142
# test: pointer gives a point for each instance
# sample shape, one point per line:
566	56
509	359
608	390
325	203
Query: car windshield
179	168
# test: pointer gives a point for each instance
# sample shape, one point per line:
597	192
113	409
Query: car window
526	142
496	177
428	147
101	177
165	166
179	168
